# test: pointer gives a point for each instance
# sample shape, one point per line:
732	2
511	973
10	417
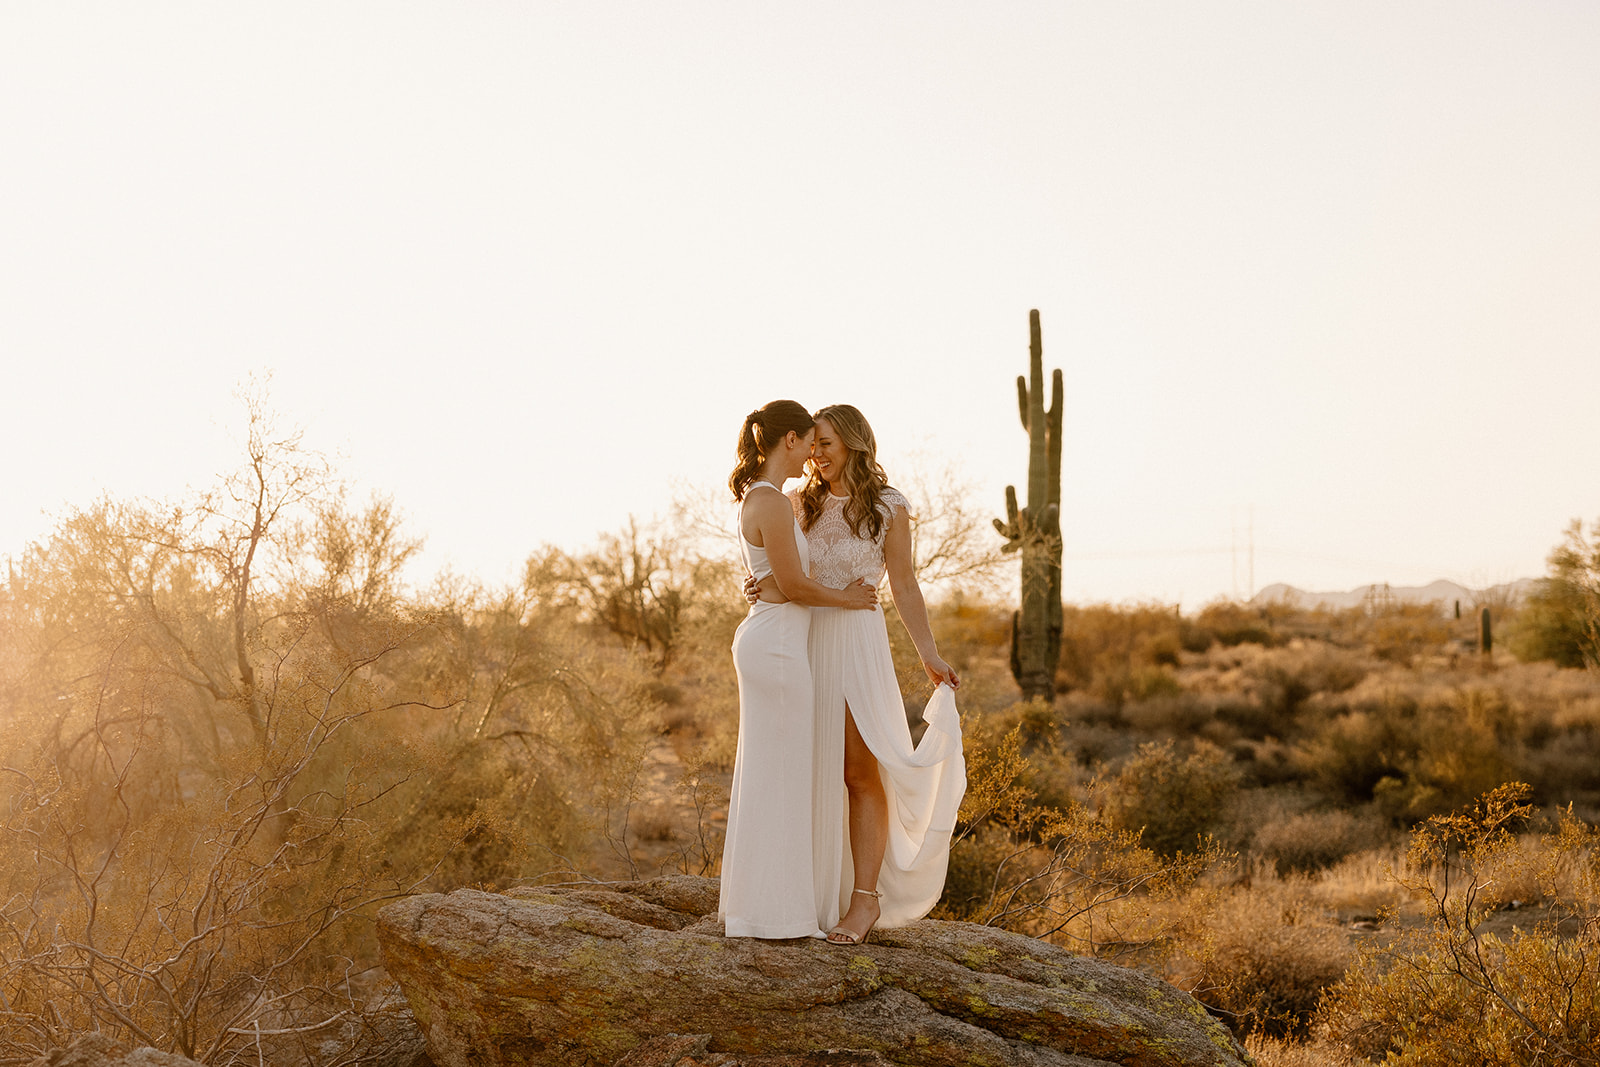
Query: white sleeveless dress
768	886
851	664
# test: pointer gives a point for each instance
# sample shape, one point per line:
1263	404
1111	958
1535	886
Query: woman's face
828	453
801	452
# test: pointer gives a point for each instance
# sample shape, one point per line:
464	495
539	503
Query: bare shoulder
766	502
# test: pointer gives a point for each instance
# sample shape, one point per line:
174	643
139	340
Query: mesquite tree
1035	530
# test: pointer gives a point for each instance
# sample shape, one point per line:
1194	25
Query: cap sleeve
895	499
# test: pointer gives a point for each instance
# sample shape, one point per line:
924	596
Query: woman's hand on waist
858	595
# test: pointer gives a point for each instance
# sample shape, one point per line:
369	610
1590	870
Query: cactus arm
1053	424
1011	529
1022	400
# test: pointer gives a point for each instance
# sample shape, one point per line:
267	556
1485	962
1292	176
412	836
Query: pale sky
523	265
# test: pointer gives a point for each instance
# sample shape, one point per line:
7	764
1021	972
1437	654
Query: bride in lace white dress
897	800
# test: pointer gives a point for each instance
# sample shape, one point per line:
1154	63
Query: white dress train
924	782
767	878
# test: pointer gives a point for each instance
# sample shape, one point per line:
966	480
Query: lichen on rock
598	974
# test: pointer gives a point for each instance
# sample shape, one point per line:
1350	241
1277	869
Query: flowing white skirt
924	783
767	878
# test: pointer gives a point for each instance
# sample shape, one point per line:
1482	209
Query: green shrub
1174	800
1560	620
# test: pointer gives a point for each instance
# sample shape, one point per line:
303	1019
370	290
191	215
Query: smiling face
828	453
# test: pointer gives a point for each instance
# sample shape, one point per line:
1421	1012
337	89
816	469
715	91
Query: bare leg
869	829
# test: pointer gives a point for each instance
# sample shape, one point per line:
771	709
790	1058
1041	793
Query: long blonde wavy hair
862	478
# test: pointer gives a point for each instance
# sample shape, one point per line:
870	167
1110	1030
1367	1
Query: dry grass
1261	953
1363	885
1279	1052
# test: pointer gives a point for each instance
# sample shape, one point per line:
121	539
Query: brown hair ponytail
762	430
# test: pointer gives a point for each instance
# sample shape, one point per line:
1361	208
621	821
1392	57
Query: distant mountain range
1441	592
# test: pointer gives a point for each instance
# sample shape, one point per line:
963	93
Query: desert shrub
1167	714
1348	757
1061	873
1248	718
1263	956
1560	620
1399	633
1228	623
1173	801
1465	745
1267	762
1566	770
1283	679
230	735
1312	840
1414	757
175	904
969	627
1450	992
1118	653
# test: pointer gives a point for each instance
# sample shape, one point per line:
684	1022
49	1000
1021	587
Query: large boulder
98	1050
590	975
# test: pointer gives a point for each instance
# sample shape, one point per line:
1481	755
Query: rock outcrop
639	972
98	1050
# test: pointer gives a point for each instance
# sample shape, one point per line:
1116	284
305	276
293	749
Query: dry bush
543	749
1310	841
1117	653
1261	956
1400	633
1363	885
1451	992
1173	801
1167	713
1415	752
1060	874
185	906
1229	623
1270	1051
229	736
1283	679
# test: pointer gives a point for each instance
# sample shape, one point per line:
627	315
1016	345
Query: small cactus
1485	634
1035	530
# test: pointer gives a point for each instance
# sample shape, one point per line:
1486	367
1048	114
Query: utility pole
1252	551
1233	550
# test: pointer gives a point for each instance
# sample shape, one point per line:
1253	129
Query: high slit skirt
924	782
767	877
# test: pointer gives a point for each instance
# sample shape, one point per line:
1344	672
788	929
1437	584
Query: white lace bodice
838	556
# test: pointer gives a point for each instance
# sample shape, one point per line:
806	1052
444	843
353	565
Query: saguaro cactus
1485	633
1035	530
